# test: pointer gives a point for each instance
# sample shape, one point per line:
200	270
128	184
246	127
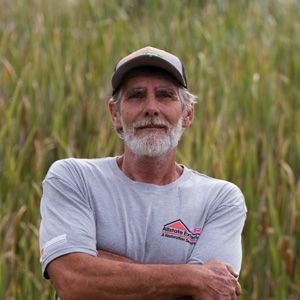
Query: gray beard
152	144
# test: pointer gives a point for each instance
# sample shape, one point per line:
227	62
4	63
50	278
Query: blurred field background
242	59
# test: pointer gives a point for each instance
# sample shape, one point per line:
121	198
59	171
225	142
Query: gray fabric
90	204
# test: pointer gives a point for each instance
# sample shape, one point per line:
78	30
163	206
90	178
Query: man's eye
136	95
166	95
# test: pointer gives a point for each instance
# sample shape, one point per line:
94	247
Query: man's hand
219	282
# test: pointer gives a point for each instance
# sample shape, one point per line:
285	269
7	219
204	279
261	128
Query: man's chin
149	147
149	154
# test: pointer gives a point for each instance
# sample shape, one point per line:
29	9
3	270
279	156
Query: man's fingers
223	284
230	269
238	289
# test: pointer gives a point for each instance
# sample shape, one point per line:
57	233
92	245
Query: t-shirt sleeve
67	223
220	238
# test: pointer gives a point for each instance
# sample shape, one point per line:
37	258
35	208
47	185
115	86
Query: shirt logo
178	230
58	240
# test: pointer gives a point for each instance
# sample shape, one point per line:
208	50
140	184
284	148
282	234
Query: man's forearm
80	276
117	257
113	256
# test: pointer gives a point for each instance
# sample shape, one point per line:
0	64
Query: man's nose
151	108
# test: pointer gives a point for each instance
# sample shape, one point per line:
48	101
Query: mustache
153	122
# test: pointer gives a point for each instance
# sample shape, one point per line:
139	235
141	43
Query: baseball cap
152	57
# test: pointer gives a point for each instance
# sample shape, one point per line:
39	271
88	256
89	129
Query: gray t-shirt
90	204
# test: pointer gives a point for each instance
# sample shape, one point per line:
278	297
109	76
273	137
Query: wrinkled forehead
137	75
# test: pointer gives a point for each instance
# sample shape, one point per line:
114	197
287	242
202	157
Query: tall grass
242	59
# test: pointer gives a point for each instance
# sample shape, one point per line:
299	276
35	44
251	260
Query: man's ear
188	116
115	115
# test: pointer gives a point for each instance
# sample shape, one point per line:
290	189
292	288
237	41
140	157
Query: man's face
150	114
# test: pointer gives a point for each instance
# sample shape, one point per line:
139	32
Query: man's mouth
152	126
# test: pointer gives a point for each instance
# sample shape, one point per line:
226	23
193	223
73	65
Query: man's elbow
63	287
66	284
68	288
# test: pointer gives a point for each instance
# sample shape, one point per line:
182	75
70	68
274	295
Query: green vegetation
242	59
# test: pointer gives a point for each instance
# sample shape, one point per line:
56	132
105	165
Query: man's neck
160	170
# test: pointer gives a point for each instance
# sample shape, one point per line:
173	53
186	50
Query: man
141	226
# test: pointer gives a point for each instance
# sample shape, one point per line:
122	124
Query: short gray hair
187	99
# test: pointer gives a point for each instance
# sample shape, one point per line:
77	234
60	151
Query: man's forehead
149	73
149	81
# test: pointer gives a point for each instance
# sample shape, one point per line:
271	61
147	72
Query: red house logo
178	230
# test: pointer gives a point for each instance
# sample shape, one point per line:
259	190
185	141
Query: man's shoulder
64	167
208	180
219	189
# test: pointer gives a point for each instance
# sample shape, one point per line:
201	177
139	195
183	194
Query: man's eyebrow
135	90
165	88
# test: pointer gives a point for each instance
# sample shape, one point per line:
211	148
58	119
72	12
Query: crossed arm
110	276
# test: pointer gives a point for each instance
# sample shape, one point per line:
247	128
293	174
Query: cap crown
149	56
